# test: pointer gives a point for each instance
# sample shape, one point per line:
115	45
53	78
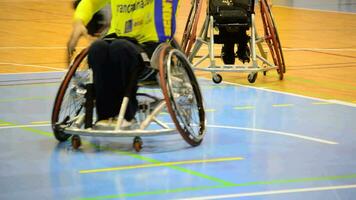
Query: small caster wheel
252	77
137	144
217	78
76	142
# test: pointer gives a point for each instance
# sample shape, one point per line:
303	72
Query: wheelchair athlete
137	26
232	12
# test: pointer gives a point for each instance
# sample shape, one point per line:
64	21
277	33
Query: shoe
110	124
243	53
227	54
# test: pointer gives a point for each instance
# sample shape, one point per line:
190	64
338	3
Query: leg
243	52
125	64
98	59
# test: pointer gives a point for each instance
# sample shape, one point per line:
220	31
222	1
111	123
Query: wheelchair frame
206	37
79	121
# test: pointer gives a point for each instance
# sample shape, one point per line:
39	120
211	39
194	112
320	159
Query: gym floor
290	139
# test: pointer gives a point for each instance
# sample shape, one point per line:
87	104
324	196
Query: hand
78	31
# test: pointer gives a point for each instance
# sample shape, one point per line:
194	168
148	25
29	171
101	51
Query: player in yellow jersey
136	26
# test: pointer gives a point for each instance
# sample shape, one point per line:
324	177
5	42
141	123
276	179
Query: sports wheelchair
229	18
73	112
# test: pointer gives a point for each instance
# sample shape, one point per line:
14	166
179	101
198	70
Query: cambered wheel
137	144
182	95
69	102
272	38
189	34
76	142
217	78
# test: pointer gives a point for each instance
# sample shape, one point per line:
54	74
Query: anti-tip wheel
137	144
217	78
252	77
76	142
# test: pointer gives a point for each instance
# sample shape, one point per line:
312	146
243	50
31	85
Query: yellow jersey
144	20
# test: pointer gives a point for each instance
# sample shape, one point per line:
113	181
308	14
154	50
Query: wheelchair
224	22
175	91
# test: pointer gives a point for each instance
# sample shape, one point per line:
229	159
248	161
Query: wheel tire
252	77
183	126
76	142
217	78
56	111
272	38
137	144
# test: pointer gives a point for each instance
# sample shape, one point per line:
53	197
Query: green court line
187	189
177	168
137	156
33	130
5	124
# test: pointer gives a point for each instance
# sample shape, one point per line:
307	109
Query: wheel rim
183	97
70	97
272	38
189	34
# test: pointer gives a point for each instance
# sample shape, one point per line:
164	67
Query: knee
97	52
97	47
123	47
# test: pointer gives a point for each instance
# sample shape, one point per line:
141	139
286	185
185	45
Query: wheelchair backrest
217	5
231	11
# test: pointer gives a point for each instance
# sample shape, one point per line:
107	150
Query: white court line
23	126
314	9
37	66
220	126
276	132
318	49
291	94
272	192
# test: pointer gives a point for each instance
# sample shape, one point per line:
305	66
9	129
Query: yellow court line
209	110
244	107
41	122
159	165
5	124
282	105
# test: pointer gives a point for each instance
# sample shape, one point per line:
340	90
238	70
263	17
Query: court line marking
317	49
282	105
246	184
36	66
161	164
272	192
248	86
137	156
284	48
314	9
313	139
287	93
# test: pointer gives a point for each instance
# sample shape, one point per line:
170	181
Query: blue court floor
259	144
